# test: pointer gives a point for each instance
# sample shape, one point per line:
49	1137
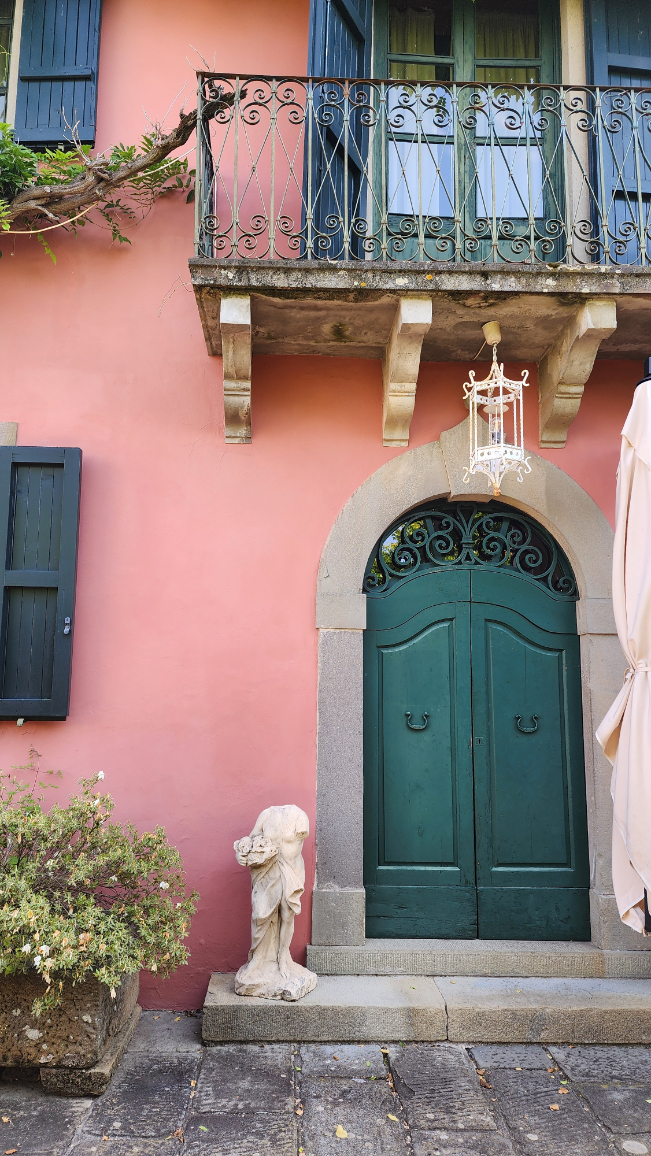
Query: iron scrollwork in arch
492	536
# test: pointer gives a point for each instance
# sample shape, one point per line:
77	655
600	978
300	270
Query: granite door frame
434	471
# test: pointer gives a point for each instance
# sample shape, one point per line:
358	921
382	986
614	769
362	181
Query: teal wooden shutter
39	514
57	75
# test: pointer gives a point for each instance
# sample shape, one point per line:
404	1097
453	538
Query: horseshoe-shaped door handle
416	726
527	730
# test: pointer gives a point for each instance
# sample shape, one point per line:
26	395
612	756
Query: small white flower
178	905
100	774
164	886
27	948
97	802
45	950
112	993
37	961
113	879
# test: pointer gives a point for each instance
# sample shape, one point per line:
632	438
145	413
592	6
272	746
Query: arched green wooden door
475	816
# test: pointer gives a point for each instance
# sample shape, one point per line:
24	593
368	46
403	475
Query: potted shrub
85	905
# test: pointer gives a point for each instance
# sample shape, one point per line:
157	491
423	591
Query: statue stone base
266	981
273	854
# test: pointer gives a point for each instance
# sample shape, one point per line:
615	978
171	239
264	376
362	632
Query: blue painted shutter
340	46
619	47
340	41
57	75
39	515
620	42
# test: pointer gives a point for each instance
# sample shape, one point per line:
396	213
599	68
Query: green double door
474	794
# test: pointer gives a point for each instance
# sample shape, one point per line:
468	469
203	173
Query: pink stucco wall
194	674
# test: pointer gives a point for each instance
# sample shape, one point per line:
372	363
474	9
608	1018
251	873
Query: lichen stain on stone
339	332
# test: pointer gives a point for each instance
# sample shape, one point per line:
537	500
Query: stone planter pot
78	1045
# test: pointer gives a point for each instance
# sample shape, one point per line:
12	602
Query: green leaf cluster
81	895
18	170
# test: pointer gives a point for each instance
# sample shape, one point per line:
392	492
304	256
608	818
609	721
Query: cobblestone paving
172	1097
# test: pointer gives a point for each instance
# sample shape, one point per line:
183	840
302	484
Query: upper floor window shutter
57	72
619	42
39	515
340	38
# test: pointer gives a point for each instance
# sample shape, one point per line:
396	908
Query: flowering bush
80	895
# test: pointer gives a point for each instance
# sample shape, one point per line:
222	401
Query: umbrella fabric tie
639	668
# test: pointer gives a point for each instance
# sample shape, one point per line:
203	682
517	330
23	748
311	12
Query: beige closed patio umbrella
625	733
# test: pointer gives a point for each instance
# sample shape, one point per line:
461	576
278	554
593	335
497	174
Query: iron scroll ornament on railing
527	730
489	535
422	171
417	726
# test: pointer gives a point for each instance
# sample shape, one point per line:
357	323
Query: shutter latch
66	626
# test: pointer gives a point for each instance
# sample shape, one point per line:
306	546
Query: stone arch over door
429	472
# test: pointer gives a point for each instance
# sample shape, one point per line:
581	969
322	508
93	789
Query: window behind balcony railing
461	147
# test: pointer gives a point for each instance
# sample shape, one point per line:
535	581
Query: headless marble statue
273	853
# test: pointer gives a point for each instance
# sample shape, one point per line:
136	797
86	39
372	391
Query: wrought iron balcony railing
374	170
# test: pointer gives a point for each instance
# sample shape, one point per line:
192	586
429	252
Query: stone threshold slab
575	1011
464	1009
371	1008
479	957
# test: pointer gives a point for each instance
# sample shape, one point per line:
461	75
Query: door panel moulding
235	325
400	368
436	470
567	365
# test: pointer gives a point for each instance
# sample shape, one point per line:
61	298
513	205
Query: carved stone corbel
400	368
567	365
235	324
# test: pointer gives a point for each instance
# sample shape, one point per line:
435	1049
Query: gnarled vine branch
51	199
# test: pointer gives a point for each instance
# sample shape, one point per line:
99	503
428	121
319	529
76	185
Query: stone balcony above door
389	220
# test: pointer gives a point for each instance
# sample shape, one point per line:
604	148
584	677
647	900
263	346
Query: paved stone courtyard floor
173	1097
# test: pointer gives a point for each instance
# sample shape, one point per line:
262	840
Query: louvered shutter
57	73
39	515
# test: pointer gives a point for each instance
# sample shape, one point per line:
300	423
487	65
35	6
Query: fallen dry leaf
554	1107
390	1117
156	1017
341	1133
481	1071
193	1083
10	1151
484	1083
179	1134
299	1111
6	1120
563	1091
335	1057
176	1019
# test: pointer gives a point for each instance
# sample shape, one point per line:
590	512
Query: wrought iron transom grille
467	534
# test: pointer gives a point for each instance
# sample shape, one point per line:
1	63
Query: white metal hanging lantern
499	448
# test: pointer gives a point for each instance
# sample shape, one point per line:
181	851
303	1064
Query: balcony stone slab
347	309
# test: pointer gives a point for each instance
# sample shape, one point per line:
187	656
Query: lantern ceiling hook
492	333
